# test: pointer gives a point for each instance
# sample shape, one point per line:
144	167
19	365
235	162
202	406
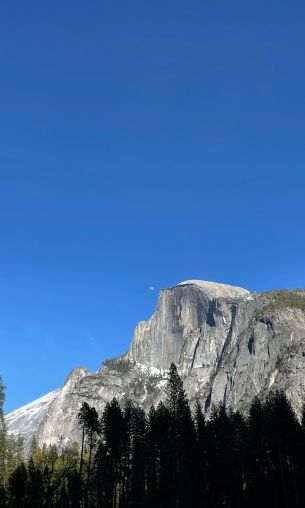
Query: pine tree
63	501
283	431
14	453
83	416
175	393
18	485
127	444
152	457
35	486
88	419
240	448
261	483
201	455
159	439
139	457
220	437
113	432
93	428
182	440
74	488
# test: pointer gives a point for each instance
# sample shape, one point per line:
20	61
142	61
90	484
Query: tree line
169	458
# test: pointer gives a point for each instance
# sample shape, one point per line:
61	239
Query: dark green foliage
181	441
170	458
35	485
88	419
113	484
201	455
18	487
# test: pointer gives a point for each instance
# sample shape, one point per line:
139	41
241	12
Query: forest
171	457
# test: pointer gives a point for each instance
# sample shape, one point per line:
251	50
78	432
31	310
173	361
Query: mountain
229	344
22	421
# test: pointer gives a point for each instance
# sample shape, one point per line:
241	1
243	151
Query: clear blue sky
141	143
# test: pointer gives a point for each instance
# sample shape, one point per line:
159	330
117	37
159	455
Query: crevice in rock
208	402
219	359
266	321
227	341
251	345
195	351
224	396
210	316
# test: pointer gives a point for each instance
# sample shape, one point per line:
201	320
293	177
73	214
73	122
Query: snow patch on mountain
22	421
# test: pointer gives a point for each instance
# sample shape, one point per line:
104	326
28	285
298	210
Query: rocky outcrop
180	311
229	344
25	420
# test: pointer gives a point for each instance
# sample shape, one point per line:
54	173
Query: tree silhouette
168	458
18	487
182	440
113	431
83	417
35	485
88	419
200	457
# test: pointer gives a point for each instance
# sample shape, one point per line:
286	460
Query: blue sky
141	143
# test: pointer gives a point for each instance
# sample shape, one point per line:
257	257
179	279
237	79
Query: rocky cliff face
24	420
180	311
229	344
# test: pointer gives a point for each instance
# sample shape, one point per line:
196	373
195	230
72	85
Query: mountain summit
181	310
216	290
229	344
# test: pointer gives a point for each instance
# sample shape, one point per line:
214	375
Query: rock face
229	344
22	421
180	311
